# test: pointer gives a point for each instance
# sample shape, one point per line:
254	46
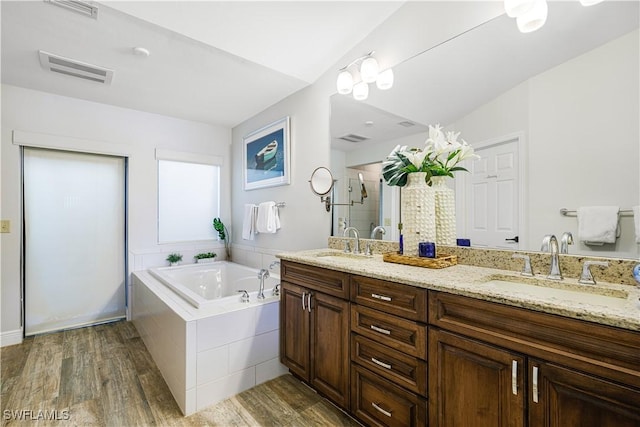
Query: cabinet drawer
324	280
605	351
404	370
378	402
403	335
395	298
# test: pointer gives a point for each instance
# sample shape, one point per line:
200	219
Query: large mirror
563	101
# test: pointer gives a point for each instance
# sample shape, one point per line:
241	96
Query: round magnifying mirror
321	181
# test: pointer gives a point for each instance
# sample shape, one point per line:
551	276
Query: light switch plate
5	226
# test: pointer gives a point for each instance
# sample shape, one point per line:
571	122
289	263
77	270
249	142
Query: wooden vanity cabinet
497	365
314	328
388	353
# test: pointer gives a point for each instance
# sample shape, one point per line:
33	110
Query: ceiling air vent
71	67
406	124
82	7
352	137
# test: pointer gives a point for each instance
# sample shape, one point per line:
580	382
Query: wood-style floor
104	376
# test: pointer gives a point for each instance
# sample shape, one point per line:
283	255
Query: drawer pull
381	297
381	330
304	294
535	384
379	409
514	377
377	362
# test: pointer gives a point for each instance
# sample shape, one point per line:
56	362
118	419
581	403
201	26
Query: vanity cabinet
388	353
497	365
314	328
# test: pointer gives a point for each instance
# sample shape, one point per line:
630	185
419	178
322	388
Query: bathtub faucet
262	275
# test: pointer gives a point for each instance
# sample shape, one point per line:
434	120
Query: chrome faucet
273	264
262	275
356	248
586	277
565	241
550	243
375	230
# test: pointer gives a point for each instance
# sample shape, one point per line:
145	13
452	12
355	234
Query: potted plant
205	257
223	234
174	258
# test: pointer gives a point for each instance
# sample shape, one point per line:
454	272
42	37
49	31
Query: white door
74	240
492	198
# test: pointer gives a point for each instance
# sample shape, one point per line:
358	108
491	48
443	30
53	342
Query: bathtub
208	344
215	283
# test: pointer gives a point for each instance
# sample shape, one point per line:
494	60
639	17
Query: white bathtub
207	343
215	283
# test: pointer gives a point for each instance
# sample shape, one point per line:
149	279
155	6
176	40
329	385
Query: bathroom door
74	239
493	197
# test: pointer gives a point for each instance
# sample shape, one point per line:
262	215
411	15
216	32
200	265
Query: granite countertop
620	307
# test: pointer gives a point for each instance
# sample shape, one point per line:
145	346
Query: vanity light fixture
531	15
369	72
534	18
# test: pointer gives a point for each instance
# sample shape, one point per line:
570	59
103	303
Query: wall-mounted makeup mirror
322	183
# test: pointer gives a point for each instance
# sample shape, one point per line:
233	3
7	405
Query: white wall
305	222
582	131
98	127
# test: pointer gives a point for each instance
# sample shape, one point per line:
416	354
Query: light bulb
360	91
344	83
385	79
534	18
369	70
515	8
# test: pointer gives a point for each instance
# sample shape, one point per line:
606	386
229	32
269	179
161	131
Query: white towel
249	222
598	225
268	220
636	221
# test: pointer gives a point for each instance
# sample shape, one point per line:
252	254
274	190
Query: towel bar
572	212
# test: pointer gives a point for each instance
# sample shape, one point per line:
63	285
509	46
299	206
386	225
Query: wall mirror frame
569	92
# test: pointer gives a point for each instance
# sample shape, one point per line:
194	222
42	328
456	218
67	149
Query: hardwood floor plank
104	376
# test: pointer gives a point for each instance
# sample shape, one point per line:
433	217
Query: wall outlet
5	226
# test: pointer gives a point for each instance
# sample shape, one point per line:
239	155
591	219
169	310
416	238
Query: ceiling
449	81
213	62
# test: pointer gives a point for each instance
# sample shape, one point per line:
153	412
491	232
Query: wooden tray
441	260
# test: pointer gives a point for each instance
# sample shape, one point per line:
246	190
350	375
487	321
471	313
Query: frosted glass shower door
74	219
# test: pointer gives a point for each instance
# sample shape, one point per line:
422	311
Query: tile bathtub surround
619	270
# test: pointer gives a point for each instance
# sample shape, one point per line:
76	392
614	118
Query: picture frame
266	156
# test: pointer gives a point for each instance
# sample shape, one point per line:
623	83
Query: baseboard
11	337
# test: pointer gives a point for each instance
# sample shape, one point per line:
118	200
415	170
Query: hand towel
598	225
249	222
636	221
268	220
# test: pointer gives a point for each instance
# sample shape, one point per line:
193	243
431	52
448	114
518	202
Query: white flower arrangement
439	157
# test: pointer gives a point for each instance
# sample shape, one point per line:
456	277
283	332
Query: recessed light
141	51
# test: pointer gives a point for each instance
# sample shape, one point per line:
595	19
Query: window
188	196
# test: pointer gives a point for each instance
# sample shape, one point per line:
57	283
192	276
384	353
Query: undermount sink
334	255
565	291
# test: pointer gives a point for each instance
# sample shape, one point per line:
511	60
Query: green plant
204	255
223	234
174	257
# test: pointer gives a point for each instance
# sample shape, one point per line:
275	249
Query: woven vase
418	213
445	203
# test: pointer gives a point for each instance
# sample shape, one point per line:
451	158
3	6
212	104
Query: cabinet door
562	397
294	330
330	347
474	384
